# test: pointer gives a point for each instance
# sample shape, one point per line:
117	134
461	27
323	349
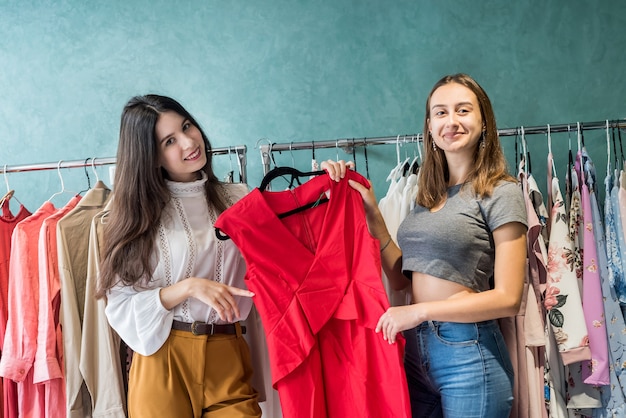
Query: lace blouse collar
182	189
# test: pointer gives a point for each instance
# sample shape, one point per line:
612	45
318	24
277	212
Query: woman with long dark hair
175	294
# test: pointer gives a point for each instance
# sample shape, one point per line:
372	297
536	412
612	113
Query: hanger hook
93	168
398	148
60	176
418	145
256	146
230	157
6	178
569	137
87	173
293	161
549	140
524	149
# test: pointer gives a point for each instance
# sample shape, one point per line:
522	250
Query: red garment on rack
8	388
316	276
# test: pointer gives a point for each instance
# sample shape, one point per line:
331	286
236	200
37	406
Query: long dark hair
141	193
490	164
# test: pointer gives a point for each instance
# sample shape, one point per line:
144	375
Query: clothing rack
240	150
347	144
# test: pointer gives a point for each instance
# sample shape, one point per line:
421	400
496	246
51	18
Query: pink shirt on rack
25	314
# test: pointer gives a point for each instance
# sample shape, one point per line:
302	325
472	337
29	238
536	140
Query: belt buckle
194	326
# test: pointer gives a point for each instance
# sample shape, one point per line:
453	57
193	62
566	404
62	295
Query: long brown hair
141	193
490	164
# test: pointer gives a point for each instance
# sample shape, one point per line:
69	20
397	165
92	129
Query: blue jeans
458	370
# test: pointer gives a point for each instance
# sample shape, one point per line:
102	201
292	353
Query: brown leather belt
202	328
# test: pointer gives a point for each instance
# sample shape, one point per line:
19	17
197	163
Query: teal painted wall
295	70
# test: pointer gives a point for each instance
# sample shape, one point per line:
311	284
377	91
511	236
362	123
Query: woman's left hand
337	169
397	319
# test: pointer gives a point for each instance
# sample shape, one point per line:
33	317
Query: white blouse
186	246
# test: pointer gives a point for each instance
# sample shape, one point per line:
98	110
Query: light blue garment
615	244
458	370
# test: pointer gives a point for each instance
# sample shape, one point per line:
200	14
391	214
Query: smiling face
180	147
455	120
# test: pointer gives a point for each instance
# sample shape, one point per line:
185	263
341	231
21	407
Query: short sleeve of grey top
455	242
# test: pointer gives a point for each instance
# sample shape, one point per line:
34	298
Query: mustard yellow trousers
196	376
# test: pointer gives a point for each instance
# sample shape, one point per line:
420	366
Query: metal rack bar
348	143
240	150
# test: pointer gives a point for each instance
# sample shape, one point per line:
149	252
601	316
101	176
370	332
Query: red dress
316	276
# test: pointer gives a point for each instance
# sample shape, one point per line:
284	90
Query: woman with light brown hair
463	252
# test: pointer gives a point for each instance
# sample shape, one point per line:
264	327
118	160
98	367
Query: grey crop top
455	242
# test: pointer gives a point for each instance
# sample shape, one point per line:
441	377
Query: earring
433	140
483	140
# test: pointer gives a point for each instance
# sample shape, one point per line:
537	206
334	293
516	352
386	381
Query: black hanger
88	179
287	171
295	178
367	165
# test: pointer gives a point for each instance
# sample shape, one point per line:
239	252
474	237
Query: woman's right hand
217	295
368	195
337	170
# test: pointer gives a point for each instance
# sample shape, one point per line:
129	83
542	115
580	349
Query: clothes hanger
240	158
314	165
87	175
62	183
550	152
417	155
406	167
295	177
287	171
527	165
99	183
568	174
10	192
516	148
353	154
267	156
396	172
229	177
93	168
581	136
367	165
619	136
293	160
608	148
